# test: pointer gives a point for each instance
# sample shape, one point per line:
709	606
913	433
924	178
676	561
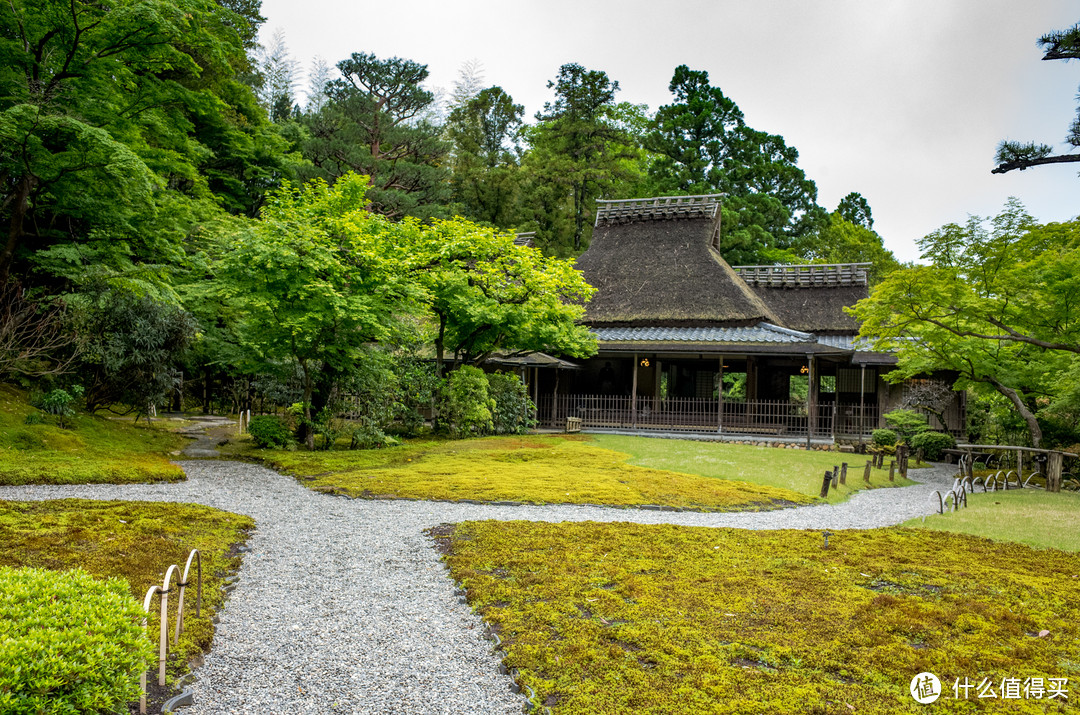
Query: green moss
92	450
798	470
1026	516
135	541
605	618
527	469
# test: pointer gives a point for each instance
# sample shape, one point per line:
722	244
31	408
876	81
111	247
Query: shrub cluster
933	444
68	643
883	438
270	431
473	403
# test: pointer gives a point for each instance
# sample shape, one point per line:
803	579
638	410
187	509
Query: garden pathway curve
343	605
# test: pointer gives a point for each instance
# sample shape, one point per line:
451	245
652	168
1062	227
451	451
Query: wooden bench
573	424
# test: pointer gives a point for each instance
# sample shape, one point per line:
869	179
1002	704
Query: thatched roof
814	310
665	271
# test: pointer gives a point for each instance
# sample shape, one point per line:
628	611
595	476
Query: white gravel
343	605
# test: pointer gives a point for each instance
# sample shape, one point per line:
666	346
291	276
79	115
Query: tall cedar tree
770	208
1062	45
486	172
577	148
371	124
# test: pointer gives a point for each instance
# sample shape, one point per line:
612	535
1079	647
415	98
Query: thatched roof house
674	322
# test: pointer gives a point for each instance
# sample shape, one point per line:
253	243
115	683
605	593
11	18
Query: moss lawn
92	450
535	469
135	541
617	618
1026	516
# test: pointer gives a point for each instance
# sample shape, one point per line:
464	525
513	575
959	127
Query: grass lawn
793	469
135	541
1027	516
548	469
619	618
92	450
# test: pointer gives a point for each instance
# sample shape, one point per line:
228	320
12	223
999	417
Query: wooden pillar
656	387
1053	472
555	400
862	403
751	378
633	395
811	400
536	393
1020	464
720	398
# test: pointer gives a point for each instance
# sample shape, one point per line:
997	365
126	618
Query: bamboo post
163	646
142	677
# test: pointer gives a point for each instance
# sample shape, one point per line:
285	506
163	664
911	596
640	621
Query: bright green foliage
884	437
486	174
312	282
122	123
486	294
513	413
465	404
576	156
843	241
932	444
673	620
770	206
68	643
133	541
906	423
996	305
91	450
269	431
58	402
372	125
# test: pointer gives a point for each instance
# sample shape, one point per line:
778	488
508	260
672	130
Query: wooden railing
779	419
660	207
812	275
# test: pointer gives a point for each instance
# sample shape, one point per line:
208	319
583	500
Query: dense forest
177	208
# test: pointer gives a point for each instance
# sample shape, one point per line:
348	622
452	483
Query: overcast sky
903	101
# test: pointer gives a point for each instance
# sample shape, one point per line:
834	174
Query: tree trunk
15	229
1029	417
306	432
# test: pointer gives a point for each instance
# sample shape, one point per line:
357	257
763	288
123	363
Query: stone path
343	605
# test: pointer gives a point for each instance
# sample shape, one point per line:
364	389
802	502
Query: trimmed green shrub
883	437
907	423
68	643
465	404
513	413
269	431
933	444
58	402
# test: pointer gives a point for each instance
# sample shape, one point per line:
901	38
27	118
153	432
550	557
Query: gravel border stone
342	605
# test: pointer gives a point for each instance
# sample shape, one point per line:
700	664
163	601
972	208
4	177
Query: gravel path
343	605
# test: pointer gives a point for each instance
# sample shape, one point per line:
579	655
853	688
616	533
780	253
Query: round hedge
884	437
68	643
269	431
933	444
